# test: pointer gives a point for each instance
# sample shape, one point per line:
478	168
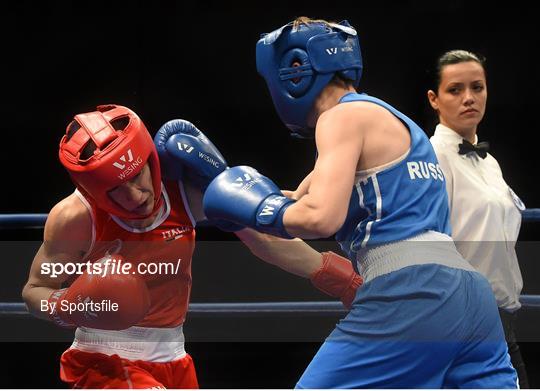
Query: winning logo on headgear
122	146
298	61
121	166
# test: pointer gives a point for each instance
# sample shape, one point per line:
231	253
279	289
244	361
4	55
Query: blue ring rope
37	220
278	308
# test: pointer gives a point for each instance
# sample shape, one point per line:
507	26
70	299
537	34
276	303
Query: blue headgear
297	63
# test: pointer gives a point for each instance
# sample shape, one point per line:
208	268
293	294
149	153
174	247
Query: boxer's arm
328	272
293	256
301	190
323	208
303	187
67	237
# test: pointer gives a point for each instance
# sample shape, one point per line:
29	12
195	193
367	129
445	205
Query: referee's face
461	98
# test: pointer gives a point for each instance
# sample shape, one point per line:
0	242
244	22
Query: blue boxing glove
243	196
186	153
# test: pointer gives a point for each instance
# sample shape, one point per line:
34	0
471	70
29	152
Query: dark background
197	61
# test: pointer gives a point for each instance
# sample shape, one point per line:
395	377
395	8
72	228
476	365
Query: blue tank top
399	202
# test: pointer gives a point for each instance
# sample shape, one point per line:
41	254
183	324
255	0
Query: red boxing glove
337	278
110	301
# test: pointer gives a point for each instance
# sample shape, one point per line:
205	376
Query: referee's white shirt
485	215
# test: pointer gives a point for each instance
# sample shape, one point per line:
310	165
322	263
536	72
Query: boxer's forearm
293	256
305	220
41	282
34	297
302	188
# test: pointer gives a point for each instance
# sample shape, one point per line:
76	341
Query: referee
485	212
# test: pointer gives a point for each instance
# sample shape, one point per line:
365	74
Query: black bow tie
481	149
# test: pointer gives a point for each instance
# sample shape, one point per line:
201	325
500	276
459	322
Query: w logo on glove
184	147
267	211
241	181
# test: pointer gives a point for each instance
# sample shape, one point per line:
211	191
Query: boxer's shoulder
354	117
69	219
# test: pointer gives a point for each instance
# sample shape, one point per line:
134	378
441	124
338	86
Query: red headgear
119	155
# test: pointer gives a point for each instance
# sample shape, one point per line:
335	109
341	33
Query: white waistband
134	343
425	248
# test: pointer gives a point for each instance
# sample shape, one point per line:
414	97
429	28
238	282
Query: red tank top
164	248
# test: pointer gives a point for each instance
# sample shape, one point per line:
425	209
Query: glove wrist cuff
269	218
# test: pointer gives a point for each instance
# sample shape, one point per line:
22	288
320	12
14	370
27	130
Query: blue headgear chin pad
297	63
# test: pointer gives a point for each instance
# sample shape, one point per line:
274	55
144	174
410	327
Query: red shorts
96	370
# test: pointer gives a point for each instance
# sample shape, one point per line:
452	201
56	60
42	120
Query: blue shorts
423	326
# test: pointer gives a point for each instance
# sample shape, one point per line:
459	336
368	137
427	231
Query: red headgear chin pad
119	155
